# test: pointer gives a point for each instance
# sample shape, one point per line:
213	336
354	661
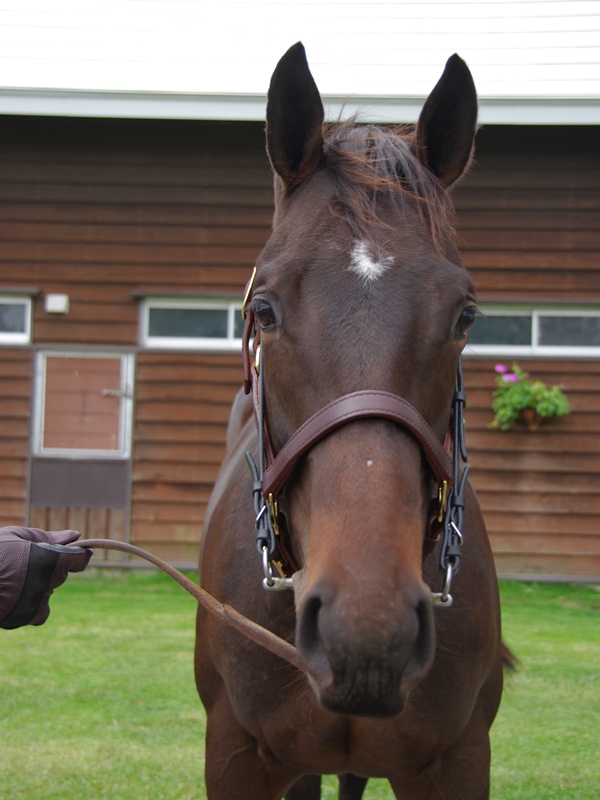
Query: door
80	466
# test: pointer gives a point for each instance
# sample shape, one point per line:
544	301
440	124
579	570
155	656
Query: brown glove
32	564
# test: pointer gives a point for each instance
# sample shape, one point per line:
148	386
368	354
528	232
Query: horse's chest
305	736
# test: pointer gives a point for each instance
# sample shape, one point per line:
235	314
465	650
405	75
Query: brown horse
361	308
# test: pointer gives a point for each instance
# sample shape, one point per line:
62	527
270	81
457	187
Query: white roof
533	61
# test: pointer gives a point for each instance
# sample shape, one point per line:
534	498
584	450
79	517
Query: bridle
270	475
272	472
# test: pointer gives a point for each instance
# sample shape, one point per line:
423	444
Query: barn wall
98	208
529	225
104	210
182	409
529	214
15	411
539	490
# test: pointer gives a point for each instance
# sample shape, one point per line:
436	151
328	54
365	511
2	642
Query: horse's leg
307	788
351	787
235	769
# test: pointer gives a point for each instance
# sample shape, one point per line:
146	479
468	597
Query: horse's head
360	287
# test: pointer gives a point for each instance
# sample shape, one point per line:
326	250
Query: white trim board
251	107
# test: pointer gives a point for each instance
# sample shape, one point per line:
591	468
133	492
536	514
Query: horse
343	504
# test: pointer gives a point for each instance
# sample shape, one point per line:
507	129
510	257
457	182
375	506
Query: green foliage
100	701
516	391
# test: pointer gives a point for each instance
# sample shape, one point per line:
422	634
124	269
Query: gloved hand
32	564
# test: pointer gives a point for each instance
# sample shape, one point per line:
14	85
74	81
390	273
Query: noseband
273	471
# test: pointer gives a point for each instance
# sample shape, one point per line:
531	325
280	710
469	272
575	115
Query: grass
545	739
100	701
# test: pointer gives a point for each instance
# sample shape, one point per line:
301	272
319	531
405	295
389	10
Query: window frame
10	338
535	349
125	394
232	305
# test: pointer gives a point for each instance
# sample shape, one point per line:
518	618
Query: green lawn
100	701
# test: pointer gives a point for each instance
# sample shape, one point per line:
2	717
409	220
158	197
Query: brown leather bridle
270	476
274	470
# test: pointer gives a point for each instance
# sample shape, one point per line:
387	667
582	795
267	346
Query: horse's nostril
308	630
425	642
309	640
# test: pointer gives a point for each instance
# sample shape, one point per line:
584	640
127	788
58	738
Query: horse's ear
448	122
294	119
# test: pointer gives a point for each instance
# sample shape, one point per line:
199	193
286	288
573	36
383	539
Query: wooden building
528	222
112	215
112	427
135	195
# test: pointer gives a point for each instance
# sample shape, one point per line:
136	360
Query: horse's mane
374	163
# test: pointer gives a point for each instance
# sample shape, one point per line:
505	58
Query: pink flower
510	378
500	369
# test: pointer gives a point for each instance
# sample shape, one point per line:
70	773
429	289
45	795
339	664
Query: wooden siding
103	209
529	214
92	523
529	220
96	209
539	490
15	405
182	409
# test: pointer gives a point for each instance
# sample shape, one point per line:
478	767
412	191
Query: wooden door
80	467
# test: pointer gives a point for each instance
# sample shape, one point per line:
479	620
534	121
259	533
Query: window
83	404
15	319
185	324
521	330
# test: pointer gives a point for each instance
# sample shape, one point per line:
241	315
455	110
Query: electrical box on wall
56	303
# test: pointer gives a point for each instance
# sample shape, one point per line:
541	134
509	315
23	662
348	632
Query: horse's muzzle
365	662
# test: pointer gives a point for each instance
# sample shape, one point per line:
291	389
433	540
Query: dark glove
32	564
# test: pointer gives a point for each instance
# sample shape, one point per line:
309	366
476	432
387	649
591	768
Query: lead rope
261	636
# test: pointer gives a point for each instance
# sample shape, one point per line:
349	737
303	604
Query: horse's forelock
373	162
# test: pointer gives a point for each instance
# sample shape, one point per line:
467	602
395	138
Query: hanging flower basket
519	399
530	418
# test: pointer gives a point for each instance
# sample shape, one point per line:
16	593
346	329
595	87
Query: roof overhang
251	107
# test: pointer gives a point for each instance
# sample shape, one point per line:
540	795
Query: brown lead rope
265	638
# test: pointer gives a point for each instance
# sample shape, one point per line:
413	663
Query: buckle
248	293
442	498
274	509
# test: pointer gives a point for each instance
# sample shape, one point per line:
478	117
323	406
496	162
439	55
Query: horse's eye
264	314
466	320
